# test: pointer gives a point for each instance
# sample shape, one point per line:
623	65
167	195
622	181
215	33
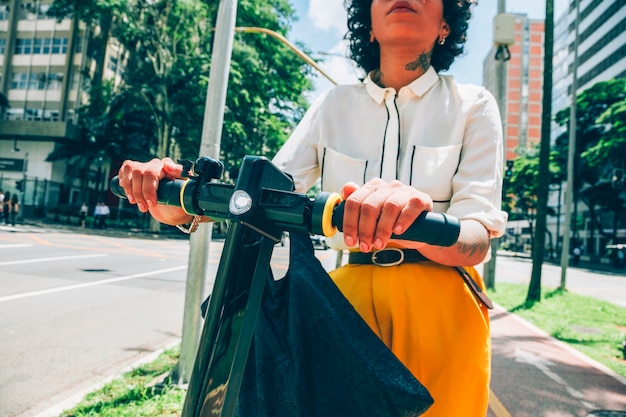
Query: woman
403	141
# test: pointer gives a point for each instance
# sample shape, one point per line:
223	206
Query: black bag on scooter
313	356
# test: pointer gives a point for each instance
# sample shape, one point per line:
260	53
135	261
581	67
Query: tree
520	186
168	44
601	145
166	62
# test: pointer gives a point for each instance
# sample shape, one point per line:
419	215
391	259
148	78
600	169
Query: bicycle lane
535	375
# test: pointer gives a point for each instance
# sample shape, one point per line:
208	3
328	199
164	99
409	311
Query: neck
400	68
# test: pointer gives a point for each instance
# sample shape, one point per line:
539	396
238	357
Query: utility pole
489	272
209	146
569	189
534	289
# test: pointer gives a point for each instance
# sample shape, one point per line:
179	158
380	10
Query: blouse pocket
432	170
338	169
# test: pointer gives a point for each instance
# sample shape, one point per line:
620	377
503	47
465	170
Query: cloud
328	15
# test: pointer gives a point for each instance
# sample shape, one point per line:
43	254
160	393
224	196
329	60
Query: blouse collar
419	86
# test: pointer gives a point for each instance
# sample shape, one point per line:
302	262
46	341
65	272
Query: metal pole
290	45
489	273
569	189
209	146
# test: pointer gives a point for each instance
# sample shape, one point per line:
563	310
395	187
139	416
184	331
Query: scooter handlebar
320	215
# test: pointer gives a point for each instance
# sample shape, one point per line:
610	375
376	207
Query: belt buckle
376	262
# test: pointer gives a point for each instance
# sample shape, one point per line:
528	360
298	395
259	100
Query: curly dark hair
367	54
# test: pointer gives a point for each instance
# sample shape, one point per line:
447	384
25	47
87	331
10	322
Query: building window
51	115
23	46
18	82
55	81
112	64
4	12
78	44
59	46
3	45
40	46
33	114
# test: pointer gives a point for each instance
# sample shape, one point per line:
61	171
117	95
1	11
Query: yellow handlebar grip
182	200
327	215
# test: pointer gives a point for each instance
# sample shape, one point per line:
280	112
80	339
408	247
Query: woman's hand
140	181
379	209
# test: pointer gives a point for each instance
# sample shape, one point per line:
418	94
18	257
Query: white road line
60	258
15	245
88	284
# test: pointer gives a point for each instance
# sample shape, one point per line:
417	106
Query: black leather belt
396	256
386	257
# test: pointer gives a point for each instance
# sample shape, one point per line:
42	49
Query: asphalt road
77	309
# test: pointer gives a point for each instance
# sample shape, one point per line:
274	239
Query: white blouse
443	138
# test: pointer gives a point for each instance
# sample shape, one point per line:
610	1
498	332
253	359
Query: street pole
569	189
290	45
489	272
534	289
209	146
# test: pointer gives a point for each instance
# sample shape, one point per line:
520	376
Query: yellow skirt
431	321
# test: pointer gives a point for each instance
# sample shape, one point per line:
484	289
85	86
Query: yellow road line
496	406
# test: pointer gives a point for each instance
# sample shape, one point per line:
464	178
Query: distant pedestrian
96	215
6	207
576	255
15	208
105	211
82	214
1	204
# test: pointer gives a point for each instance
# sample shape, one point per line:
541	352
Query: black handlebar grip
170	192
438	229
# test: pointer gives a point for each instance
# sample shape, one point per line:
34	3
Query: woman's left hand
379	209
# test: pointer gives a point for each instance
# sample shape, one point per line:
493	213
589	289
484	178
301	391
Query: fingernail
349	240
142	207
398	230
151	203
364	247
378	244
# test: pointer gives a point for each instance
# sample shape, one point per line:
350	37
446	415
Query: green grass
134	393
594	327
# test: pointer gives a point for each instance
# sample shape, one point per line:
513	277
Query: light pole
489	272
569	189
290	45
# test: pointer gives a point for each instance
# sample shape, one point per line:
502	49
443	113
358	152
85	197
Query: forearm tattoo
473	248
422	62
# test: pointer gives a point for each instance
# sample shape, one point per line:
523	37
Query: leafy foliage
160	103
601	145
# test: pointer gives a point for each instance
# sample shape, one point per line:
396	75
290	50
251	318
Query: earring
442	40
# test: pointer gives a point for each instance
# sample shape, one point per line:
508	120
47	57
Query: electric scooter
259	208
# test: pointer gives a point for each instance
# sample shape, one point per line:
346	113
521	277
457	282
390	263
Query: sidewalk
535	375
43	226
590	266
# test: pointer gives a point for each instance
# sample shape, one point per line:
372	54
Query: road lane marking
15	245
496	406
59	258
88	284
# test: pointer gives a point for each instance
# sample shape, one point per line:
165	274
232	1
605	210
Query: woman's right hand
140	181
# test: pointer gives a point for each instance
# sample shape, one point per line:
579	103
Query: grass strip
135	393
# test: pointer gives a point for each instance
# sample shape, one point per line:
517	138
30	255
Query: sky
321	26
